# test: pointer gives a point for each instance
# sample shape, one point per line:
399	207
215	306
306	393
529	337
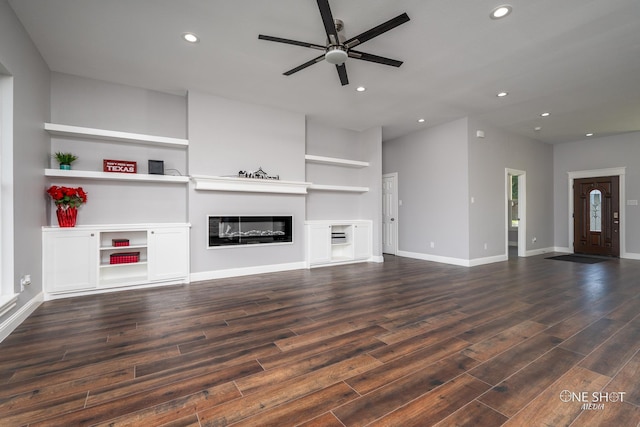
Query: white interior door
390	213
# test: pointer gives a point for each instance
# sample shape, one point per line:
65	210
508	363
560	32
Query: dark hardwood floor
527	342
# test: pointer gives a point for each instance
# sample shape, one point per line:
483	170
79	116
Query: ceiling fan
338	47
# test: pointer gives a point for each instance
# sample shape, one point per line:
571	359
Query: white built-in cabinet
338	242
77	260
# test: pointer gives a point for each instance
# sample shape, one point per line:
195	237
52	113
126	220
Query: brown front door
596	216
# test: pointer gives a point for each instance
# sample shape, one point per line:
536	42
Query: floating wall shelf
221	183
310	158
115	176
111	135
338	188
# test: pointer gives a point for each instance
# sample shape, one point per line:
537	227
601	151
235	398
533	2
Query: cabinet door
361	241
319	243
70	260
168	253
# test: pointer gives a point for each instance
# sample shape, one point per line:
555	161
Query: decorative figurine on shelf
259	174
65	159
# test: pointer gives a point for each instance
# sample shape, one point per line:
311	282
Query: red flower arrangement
67	197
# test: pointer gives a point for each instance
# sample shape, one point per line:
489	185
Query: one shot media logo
594	400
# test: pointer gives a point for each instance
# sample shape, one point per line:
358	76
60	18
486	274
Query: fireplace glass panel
249	230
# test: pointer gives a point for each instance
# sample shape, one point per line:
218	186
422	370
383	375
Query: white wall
488	158
93	103
443	168
228	136
598	153
30	74
432	167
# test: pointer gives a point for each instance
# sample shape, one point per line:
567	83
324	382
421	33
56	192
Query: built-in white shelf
111	135
115	176
222	183
310	158
338	188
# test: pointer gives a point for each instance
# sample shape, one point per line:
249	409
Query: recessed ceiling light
537	128
361	88
420	120
589	134
545	114
501	11
190	37
502	94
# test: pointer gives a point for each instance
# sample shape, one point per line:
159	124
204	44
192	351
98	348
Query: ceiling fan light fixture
501	11
361	88
336	55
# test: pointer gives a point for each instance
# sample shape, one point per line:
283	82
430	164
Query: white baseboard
379	258
630	255
435	258
542	251
13	321
487	260
245	271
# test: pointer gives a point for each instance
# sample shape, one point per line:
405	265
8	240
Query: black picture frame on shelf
156	167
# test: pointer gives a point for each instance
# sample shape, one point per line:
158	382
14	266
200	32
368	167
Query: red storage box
120	242
124	258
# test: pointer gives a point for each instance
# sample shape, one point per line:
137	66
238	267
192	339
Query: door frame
620	173
522	210
393	175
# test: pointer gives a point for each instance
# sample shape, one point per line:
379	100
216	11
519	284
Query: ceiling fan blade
376	31
374	58
293	42
342	73
329	23
303	66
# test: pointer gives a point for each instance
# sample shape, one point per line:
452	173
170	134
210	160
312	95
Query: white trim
522	210
620	172
245	271
631	255
395	202
111	135
435	258
222	183
7	302
7	289
13	321
454	261
49	296
541	251
488	260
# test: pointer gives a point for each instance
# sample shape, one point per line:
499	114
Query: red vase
67	217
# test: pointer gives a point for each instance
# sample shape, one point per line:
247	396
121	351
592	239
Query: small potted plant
65	159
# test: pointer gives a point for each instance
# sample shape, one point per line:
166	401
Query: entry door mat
583	259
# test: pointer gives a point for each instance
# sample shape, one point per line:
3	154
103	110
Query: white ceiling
577	59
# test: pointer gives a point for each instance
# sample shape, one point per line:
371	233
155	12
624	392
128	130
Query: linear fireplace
249	230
